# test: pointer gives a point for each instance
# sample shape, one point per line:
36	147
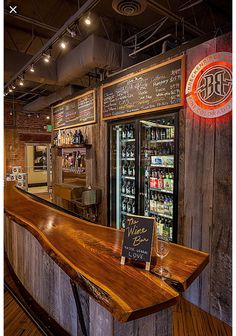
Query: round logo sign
209	86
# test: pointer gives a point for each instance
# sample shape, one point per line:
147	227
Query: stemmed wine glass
162	248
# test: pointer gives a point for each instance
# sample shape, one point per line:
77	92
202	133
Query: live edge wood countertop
90	255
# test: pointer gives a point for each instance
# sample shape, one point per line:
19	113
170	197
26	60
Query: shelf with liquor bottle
70	138
143	170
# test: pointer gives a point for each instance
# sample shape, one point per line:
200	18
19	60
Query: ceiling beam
89	4
174	17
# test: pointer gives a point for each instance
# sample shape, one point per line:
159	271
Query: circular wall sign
209	86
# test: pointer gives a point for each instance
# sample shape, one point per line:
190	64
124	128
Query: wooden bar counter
48	249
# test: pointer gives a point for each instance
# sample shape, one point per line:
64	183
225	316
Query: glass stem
161	269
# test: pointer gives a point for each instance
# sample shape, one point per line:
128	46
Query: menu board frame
134	74
76	98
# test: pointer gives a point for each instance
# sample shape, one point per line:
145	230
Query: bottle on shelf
133	207
130	169
123	152
129	206
153	134
123	187
124	205
128	188
133	189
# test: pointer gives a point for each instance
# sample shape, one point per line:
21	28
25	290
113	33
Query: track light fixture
71	32
63	44
32	68
21	82
47	56
13	86
9	89
87	20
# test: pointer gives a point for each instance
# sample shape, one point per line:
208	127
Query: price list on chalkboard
80	110
159	87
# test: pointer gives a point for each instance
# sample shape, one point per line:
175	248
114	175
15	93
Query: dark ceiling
37	21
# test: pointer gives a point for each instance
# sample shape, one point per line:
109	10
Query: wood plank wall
205	183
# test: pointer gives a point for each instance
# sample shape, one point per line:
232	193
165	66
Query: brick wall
17	126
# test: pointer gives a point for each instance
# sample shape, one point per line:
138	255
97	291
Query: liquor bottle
78	138
130	169
128	132
166	182
79	159
124	205
129	206
132	151
81	137
146	172
128	188
124	170
133	170
123	134
163	134
133	189
123	188
172	132
133	207
148	134
123	221
158	135
123	152
153	134
128	151
171	177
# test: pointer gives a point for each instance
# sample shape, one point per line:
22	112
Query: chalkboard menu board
138	236
156	88
78	111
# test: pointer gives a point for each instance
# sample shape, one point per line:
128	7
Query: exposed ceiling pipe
174	17
150	44
89	4
34	22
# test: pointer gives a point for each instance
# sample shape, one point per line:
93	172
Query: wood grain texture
205	221
16	322
90	255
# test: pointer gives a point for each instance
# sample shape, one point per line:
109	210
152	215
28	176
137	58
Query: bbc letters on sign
138	236
209	86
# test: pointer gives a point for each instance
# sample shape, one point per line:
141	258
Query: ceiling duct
129	7
94	52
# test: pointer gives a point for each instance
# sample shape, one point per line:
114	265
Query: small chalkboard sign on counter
77	111
156	88
138	237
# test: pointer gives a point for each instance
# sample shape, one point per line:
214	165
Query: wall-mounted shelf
75	146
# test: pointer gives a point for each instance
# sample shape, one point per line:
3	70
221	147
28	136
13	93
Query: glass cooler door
122	170
158	172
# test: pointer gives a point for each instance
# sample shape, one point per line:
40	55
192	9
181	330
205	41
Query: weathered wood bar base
51	289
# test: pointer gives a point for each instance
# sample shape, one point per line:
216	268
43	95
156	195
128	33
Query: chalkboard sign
156	88
78	111
138	235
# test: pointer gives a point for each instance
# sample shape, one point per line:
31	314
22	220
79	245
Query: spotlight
88	20
9	89
63	45
21	82
47	117
6	93
32	68
37	115
13	86
46	58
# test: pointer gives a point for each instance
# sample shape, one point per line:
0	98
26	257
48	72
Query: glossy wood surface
90	255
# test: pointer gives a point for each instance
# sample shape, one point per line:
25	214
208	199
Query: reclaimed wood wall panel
205	195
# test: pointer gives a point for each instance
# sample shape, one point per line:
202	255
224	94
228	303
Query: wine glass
162	248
